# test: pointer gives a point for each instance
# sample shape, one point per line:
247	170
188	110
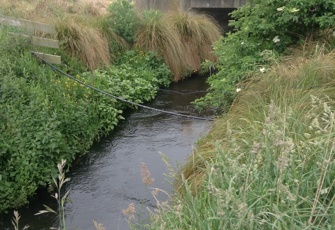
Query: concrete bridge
219	9
196	4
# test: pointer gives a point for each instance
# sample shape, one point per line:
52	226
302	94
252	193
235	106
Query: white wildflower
276	39
242	43
281	8
238	90
293	10
262	70
324	191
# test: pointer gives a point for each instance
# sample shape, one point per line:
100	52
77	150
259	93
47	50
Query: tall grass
75	24
268	164
47	11
96	37
198	33
182	39
156	34
83	42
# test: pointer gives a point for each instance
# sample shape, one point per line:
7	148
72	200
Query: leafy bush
123	19
45	117
146	61
262	29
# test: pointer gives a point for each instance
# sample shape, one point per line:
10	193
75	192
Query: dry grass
49	10
182	39
157	35
74	20
289	84
83	42
198	33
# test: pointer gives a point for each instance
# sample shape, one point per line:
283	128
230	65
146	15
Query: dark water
108	178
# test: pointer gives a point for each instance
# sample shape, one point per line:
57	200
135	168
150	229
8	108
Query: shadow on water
108	178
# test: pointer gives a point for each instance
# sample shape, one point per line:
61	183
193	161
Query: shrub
262	27
123	19
116	43
46	117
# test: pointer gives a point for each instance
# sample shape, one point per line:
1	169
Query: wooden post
36	41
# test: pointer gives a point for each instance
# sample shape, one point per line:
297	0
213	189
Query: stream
107	179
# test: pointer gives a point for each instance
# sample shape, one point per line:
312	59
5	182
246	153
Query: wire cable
54	68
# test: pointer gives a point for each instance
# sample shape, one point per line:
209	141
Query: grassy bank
269	163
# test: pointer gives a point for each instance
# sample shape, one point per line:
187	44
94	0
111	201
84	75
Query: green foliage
262	29
146	61
123	19
46	117
135	77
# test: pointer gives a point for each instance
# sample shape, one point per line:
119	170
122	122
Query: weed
59	196
15	221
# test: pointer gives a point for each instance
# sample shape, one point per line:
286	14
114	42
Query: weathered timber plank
37	41
54	59
30	25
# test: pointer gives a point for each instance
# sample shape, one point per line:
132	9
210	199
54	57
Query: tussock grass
269	163
198	33
182	39
156	34
83	42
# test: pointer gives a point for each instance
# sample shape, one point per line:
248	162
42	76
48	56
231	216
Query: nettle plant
262	30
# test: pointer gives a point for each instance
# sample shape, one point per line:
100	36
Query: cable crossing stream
54	68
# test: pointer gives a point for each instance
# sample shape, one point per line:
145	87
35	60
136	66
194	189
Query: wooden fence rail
34	40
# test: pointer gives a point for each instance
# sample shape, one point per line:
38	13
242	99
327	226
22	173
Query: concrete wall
163	5
221	15
218	9
189	4
166	5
